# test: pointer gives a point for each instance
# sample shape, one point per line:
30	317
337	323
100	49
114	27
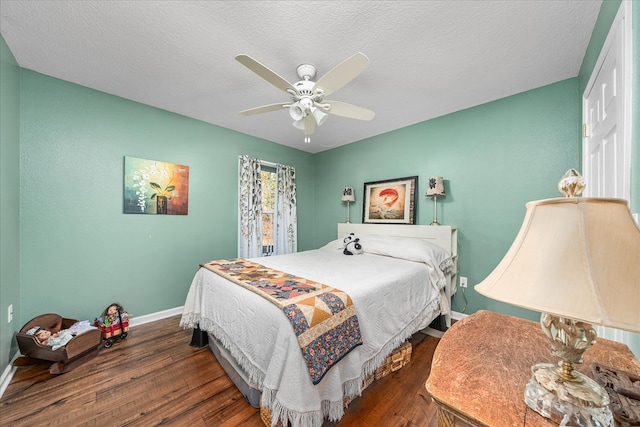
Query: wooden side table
482	364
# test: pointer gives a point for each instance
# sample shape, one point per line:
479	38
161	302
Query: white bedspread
394	298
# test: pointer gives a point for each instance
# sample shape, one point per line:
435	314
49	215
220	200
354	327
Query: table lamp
348	195
436	188
577	261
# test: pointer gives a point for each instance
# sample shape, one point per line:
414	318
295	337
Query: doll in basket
62	337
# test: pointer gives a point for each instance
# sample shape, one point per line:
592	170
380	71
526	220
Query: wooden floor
154	377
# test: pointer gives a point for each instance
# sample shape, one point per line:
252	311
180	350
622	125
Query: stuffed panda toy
352	245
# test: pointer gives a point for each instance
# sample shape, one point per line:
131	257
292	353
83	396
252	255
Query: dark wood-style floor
154	377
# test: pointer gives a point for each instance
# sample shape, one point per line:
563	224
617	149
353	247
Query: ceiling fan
307	106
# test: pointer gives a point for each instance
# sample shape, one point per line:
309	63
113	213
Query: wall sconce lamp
575	260
436	188
348	195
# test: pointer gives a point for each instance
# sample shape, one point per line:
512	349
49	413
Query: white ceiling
428	58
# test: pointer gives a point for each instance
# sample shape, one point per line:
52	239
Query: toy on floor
114	324
50	337
60	338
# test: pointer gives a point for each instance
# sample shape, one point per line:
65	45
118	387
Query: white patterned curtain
286	233
249	208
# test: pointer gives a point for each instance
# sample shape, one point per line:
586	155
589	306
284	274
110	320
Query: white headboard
444	236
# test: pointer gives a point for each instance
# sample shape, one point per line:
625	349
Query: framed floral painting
391	201
154	187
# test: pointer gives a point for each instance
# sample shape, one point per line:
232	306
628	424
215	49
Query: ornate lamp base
569	402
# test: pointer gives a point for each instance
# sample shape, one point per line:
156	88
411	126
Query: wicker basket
265	416
368	381
400	357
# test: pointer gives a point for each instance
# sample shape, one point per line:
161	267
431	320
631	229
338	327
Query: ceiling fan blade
343	73
343	109
309	125
264	109
265	73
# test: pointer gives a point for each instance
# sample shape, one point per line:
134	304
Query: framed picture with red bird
391	201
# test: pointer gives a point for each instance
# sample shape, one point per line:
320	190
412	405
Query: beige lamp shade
348	195
573	257
436	186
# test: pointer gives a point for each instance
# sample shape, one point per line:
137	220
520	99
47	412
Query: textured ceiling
428	58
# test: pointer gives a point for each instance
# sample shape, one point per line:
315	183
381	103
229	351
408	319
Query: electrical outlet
463	282
10	313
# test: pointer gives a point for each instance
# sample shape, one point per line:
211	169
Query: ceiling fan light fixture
306	104
319	115
296	112
299	124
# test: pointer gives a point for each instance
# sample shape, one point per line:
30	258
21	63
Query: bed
398	286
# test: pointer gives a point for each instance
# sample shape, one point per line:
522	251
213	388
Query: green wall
66	247
79	251
10	201
494	158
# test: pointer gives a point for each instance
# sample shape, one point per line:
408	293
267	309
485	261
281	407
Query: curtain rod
264	162
270	164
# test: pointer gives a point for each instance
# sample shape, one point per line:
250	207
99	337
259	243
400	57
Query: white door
606	116
605	157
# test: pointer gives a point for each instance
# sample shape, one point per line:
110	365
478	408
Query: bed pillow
408	248
334	245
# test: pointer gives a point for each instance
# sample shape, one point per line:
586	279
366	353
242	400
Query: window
268	177
266	199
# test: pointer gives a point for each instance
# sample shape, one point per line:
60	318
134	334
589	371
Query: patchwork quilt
323	318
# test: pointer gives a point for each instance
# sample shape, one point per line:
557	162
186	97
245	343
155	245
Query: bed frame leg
439	323
199	338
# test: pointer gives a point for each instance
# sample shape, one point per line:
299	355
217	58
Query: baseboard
10	370
148	318
455	316
7	375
